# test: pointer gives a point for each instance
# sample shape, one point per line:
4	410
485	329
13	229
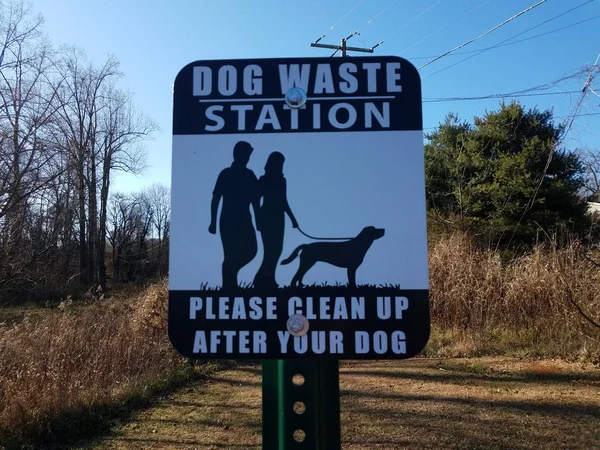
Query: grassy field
75	369
71	371
425	403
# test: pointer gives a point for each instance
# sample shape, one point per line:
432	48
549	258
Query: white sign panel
298	225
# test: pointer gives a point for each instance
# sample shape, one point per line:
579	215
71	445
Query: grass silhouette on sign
330	287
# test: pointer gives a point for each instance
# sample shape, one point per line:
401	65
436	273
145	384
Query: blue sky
153	40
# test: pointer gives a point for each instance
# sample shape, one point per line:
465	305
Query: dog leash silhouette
323	238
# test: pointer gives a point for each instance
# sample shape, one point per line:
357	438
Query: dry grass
221	412
60	373
481	305
421	403
64	374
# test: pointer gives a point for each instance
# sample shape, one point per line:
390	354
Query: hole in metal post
299	407
298	379
299	435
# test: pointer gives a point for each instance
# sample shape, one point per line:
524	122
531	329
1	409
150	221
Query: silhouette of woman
272	187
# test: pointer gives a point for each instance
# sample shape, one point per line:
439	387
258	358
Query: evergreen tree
505	178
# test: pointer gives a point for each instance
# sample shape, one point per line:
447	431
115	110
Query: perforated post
301	405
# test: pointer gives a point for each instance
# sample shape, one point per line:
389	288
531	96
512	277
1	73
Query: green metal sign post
301	405
298	226
289	386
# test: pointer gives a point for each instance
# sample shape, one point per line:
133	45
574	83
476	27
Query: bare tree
159	197
121	219
28	152
123	131
82	103
65	129
129	224
16	26
27	106
591	162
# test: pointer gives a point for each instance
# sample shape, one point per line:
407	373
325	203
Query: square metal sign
298	218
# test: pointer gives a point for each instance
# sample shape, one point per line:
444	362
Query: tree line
507	180
65	129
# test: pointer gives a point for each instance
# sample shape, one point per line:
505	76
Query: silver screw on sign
297	325
295	97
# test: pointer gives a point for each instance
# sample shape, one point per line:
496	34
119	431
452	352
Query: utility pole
343	47
584	90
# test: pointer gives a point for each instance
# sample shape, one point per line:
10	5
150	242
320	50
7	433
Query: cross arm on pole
331	46
343	47
357	49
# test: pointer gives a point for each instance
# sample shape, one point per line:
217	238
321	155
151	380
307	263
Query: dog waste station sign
298	225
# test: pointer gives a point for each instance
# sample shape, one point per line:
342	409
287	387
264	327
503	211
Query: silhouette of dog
348	254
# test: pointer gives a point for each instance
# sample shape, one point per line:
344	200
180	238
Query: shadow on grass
547	408
466	375
180	443
210	422
78	425
423	410
432	422
385	420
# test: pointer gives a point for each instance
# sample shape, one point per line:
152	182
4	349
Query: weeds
481	305
82	364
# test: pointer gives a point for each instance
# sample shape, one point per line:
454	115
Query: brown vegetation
62	372
480	305
58	370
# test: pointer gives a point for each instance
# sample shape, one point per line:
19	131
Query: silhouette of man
236	185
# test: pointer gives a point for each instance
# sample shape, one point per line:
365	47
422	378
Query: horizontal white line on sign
371	97
231	100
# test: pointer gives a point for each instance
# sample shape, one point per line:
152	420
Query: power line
343	46
407	23
510	19
341	20
529	92
512	37
572	118
553	83
536	36
579	115
441	28
346	15
586	85
493	96
382	11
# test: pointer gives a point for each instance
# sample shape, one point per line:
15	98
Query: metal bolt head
297	325
295	97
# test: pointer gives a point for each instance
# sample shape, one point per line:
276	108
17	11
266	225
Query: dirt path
480	403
